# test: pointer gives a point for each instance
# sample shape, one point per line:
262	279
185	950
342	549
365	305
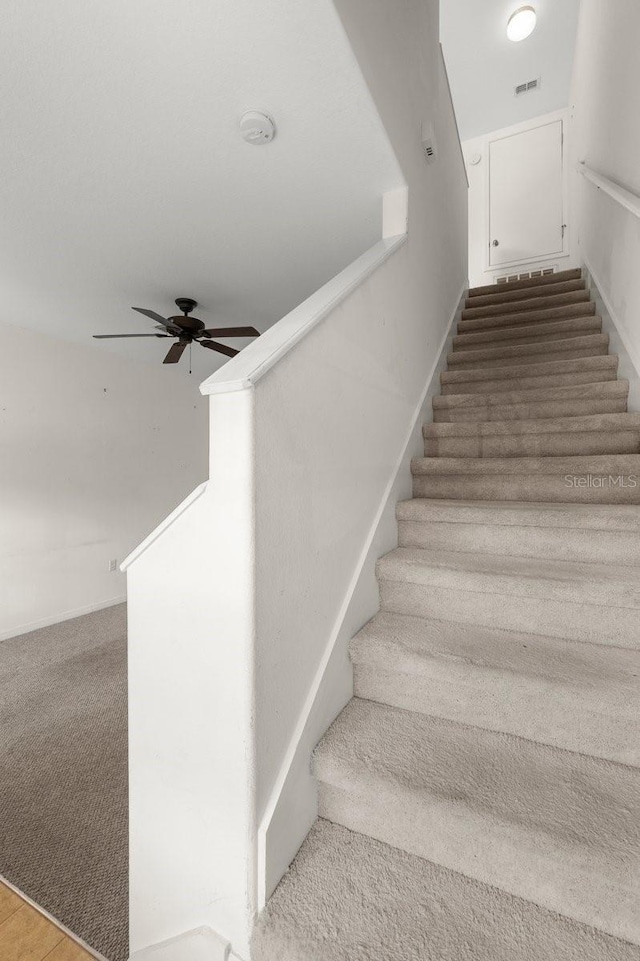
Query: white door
525	195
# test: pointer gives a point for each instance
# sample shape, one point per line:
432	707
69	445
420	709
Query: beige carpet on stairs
63	774
479	797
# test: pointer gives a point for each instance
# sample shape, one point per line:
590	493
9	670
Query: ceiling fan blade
221	348
153	316
175	353
111	336
232	332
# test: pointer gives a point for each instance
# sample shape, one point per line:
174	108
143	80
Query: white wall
94	451
126	181
606	135
308	427
478	175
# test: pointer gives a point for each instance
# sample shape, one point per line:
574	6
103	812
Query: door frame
534	124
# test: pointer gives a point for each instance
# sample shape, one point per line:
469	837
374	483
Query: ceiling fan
187	330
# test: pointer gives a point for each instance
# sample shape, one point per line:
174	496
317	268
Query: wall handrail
625	198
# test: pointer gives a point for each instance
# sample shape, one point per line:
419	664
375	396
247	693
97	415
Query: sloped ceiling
124	180
485	67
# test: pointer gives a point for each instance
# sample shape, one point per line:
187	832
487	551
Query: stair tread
598	464
544	425
399	641
348	897
482	801
594	342
575	695
544	314
547	280
522	306
503	294
610	517
598	363
540	330
607	388
593	583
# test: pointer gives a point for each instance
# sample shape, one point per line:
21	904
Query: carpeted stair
479	797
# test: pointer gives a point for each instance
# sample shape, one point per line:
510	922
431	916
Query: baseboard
629	367
59	618
292	805
200	944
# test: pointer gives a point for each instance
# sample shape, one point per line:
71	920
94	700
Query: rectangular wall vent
527	87
542	272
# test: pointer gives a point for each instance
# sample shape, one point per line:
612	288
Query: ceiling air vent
527	87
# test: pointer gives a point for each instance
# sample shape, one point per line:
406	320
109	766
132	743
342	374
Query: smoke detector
257	128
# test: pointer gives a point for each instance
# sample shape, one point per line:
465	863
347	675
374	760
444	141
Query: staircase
479	797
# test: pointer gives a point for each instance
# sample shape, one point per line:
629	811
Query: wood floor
26	935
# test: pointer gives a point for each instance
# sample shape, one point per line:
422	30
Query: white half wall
292	805
606	136
310	425
478	173
349	397
95	450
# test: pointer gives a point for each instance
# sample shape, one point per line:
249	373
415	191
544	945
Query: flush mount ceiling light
521	24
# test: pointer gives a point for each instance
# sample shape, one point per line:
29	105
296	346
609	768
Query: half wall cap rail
260	356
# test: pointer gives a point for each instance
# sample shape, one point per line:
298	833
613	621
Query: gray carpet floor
63	774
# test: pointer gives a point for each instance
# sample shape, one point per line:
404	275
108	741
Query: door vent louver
542	272
527	87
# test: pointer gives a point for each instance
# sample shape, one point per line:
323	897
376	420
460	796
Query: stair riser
432	828
488	412
515	338
514	487
546	281
530	383
527	318
545	543
526	306
593	623
576	720
501	296
547	354
535	445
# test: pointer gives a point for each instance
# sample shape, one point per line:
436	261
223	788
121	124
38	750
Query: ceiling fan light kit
187	330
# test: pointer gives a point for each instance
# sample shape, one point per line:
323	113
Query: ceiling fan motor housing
186	304
188	326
